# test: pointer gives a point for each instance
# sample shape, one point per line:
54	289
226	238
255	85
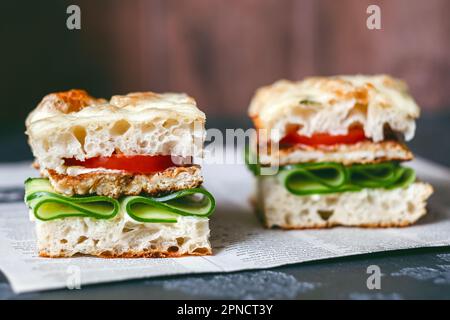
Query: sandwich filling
323	177
354	147
121	174
331	177
46	204
114	183
143	164
354	135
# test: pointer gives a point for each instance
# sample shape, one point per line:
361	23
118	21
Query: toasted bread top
333	104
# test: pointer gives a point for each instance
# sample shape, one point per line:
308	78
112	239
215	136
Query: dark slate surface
408	274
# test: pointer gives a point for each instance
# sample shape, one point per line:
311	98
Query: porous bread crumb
122	237
366	208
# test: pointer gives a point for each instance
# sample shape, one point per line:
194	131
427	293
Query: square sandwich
118	177
338	146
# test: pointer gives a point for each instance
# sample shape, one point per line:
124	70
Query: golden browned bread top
70	101
78	104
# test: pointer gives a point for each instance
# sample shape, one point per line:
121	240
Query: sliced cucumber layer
319	178
46	204
331	177
190	202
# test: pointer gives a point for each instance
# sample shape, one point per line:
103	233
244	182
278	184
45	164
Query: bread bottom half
122	237
366	208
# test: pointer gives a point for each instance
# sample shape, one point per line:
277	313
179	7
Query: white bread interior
75	125
333	104
122	237
366	208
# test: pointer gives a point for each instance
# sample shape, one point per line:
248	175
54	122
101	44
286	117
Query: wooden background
218	51
221	50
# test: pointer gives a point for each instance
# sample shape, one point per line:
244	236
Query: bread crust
328	225
64	102
71	101
334	89
116	184
135	254
70	105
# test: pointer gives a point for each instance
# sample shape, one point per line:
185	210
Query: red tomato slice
134	164
354	135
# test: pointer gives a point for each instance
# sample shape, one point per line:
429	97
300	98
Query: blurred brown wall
218	51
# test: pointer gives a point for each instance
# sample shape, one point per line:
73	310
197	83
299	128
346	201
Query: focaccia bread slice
366	208
122	237
75	125
332	105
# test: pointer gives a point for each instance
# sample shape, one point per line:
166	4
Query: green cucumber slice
330	177
313	178
373	175
33	185
46	204
191	202
320	178
252	161
49	207
406	176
